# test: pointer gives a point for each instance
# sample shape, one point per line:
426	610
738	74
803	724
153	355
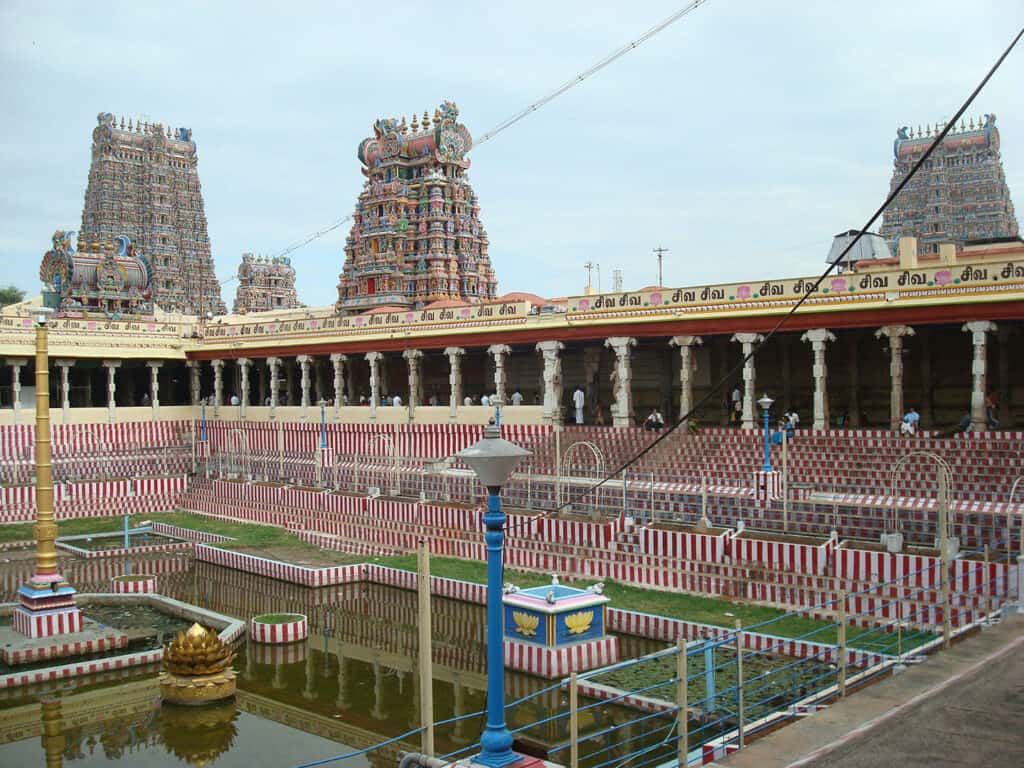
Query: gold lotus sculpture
578	623
526	624
197	668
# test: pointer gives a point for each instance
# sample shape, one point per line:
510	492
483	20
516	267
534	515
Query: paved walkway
963	707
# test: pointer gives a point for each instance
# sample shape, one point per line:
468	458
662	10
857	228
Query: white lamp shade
765	402
41	314
493	458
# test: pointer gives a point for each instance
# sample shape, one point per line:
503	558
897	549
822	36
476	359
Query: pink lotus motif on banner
743	292
91	326
26	323
839	284
272	327
360	320
151	327
313	325
945	277
584	305
465	314
233	330
655	299
409	317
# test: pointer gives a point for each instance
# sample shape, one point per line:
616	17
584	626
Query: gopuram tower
416	235
144	184
265	283
959	195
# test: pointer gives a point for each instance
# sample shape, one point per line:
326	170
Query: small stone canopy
109	277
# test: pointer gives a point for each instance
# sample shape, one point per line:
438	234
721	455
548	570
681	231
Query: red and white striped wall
135	585
783	555
558	662
279	633
35	624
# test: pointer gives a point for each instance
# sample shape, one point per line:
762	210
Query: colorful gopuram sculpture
144	184
416	236
110	277
265	283
959	195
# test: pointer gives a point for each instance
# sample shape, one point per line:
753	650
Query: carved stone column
154	387
218	385
895	334
193	380
111	366
412	360
374	358
243	396
552	413
622	380
274	364
338	361
65	387
687	365
819	337
304	361
979	371
16	363
748	340
498	351
454	381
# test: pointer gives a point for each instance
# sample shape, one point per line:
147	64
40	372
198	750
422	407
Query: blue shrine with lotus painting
554	615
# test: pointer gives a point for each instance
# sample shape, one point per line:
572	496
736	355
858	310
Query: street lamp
766	403
493	459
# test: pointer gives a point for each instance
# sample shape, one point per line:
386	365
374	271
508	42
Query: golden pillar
53	732
45	528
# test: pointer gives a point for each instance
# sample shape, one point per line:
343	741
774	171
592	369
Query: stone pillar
193	380
412	359
552	412
111	366
748	340
289	381
454	381
979	371
895	334
498	351
274	364
304	361
16	363
243	396
687	365
338	361
622	380
374	358
65	387
154	387
318	380
218	385
591	369
819	337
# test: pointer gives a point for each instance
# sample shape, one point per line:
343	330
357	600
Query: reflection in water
354	682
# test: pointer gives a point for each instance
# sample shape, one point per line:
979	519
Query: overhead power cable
813	289
594	69
510	121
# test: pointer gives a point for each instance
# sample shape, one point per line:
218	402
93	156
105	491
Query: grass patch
277	618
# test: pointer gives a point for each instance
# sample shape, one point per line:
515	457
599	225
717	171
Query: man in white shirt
468	400
517	398
577	400
485	400
396	401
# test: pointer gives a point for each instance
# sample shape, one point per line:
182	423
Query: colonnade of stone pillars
374	358
218	385
111	366
243	396
979	329
193	380
338	361
818	338
154	387
454	380
749	375
622	380
412	360
895	334
687	365
552	409
499	351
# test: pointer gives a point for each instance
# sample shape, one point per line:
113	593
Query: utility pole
660	251
589	266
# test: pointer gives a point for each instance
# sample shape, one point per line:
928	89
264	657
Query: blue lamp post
493	460
766	403
204	443
323	424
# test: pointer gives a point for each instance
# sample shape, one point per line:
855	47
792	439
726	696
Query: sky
741	138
